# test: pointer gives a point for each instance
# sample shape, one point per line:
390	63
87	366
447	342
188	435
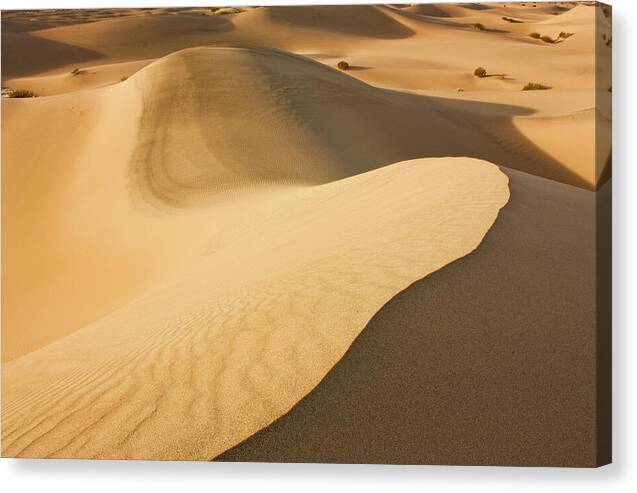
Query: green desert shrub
343	65
535	86
480	72
535	35
547	39
478	26
22	93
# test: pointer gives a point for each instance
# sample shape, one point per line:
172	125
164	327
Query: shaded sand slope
490	360
349	126
198	132
190	369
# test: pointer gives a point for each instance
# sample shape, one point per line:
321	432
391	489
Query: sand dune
255	324
212	120
212	212
488	384
249	236
384	47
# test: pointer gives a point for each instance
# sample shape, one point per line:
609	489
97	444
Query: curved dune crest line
191	369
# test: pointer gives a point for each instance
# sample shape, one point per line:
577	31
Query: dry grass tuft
535	86
22	93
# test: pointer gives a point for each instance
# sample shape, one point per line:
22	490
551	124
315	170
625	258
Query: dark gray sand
490	360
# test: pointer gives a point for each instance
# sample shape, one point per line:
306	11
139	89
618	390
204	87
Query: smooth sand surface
211	213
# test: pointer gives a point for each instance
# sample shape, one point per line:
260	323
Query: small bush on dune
478	26
343	65
535	35
547	39
565	35
22	93
535	86
511	20
480	72
123	79
77	71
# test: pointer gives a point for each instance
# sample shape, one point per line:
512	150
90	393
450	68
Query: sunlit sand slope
190	369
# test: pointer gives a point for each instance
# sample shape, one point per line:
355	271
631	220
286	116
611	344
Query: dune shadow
486	131
354	128
476	6
359	20
24	54
488	29
355	68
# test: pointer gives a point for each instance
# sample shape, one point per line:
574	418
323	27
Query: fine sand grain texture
201	214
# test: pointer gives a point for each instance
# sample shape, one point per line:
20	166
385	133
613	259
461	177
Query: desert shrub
478	27
565	35
547	39
480	72
535	35
77	71
22	93
535	86
342	65
511	20
123	79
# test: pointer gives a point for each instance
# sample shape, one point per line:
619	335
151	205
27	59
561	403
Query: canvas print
315	233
